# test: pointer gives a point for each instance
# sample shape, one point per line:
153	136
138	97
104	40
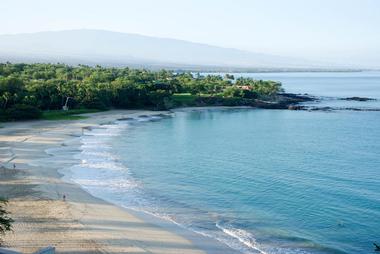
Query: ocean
258	181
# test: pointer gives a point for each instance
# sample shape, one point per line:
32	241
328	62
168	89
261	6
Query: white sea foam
99	170
242	236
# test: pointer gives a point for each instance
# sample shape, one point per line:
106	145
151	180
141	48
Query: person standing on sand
64	197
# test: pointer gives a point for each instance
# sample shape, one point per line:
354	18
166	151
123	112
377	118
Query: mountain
123	49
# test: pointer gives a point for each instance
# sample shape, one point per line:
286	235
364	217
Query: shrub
5	220
249	94
3	116
22	112
95	104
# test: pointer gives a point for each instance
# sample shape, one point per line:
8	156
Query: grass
72	114
184	97
188	100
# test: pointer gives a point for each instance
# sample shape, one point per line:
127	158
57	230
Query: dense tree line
26	89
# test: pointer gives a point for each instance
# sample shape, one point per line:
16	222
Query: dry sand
82	223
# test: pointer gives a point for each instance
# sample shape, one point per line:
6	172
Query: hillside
122	49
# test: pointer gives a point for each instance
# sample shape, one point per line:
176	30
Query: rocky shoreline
286	101
298	99
308	108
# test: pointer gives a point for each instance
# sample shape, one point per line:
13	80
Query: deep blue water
260	181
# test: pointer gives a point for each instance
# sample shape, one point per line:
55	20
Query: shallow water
260	181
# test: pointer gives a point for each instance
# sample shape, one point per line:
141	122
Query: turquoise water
259	181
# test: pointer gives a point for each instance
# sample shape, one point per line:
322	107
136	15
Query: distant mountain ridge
124	49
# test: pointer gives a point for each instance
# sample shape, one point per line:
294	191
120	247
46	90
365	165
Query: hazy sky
341	30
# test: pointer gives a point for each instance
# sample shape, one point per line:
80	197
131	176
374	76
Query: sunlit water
259	181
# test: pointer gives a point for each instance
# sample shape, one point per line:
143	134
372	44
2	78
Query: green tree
5	220
39	87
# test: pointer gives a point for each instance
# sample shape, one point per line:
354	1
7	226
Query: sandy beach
81	223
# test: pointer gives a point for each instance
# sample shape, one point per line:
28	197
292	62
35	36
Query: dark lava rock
355	98
126	119
296	107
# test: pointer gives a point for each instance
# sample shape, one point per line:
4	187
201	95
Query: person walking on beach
14	166
64	197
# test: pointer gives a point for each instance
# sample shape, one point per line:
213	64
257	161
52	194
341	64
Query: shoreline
83	223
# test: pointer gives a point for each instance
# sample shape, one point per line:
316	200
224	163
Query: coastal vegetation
31	91
5	220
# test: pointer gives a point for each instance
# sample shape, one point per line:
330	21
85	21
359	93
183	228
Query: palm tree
6	97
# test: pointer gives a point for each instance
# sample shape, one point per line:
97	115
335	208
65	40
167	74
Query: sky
337	31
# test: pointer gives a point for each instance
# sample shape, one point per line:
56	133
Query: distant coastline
73	61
